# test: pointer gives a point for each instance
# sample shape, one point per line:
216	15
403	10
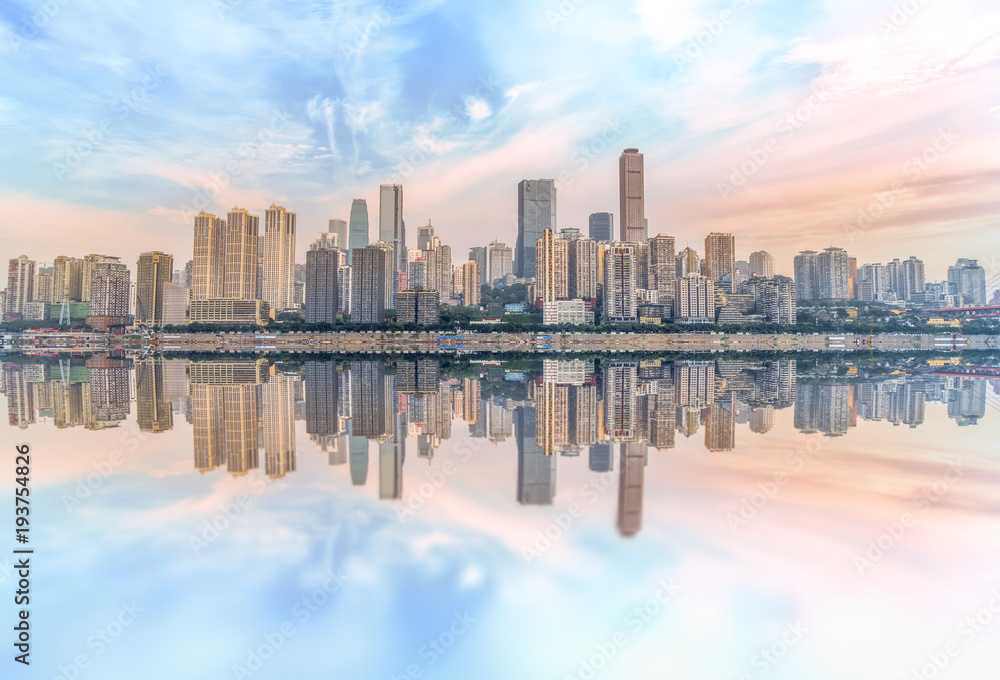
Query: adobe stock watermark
224	7
748	506
438	646
302	611
710	32
562	522
229	514
364	34
591	150
94	138
30	28
604	652
560	13
968	631
242	156
435	480
425	148
87	486
759	156
102	640
923	500
912	170
768	657
901	14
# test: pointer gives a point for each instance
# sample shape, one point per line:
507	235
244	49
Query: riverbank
377	342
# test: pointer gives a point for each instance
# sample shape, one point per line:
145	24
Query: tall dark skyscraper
536	212
358	237
322	269
321	390
368	284
536	472
602	226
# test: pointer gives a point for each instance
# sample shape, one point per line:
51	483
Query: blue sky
313	104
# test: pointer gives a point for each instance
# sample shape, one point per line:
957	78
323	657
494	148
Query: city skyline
821	84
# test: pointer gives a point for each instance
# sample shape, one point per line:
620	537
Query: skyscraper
620	265
391	227
358	237
833	275
694	299
20	287
662	268
720	255
774	298
369	273
279	258
806	265
470	280
968	279
536	212
241	247
67	279
110	290
761	264
152	273
602	226
323	262
632	197
339	227
43	287
583	268
478	253
499	262
551	267
688	262
424	236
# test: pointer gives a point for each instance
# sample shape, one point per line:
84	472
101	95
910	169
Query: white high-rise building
761	264
620	265
694	299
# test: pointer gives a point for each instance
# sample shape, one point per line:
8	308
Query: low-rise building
235	311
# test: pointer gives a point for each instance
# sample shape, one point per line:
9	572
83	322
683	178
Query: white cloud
516	91
477	108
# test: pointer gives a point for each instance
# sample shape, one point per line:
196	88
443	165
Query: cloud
478	109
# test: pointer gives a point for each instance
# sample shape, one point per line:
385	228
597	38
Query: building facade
536	212
631	194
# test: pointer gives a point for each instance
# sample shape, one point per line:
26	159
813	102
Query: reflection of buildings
224	414
20	392
823	408
110	392
619	401
152	403
372	411
720	425
630	483
322	389
279	424
966	400
601	457
536	472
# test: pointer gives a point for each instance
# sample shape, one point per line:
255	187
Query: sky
871	126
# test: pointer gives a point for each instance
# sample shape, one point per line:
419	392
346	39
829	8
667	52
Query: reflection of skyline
241	410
